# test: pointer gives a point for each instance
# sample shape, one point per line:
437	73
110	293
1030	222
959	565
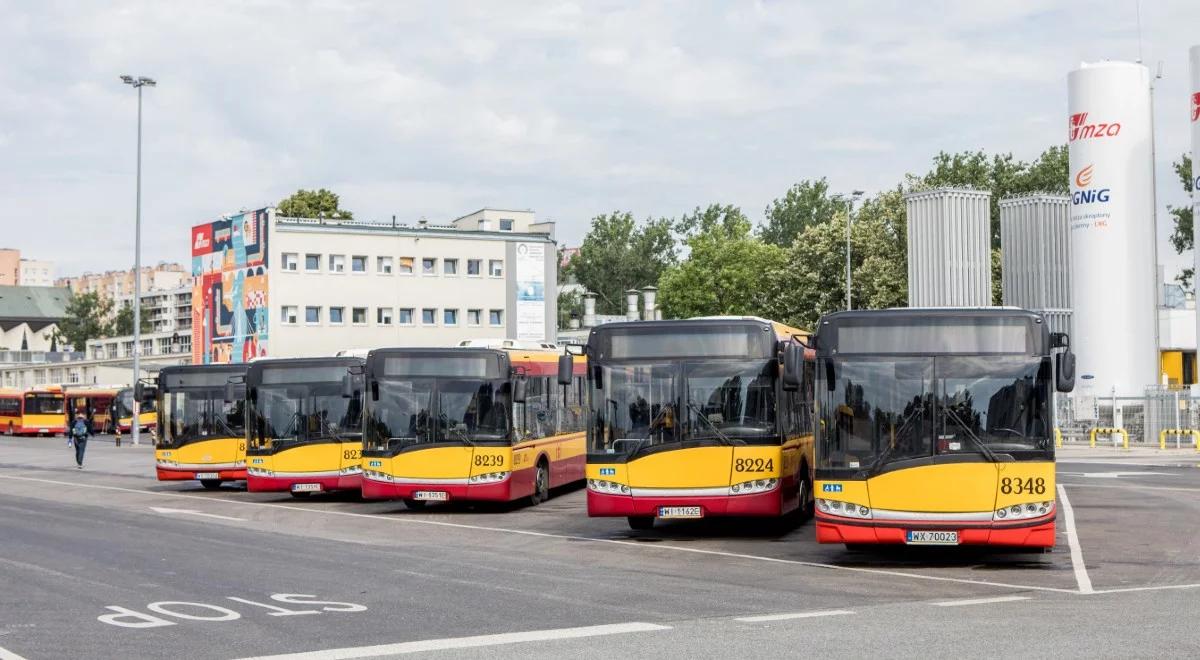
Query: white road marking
1081	574
791	615
645	547
467	642
1119	474
1160	587
1180	489
980	601
5	654
193	512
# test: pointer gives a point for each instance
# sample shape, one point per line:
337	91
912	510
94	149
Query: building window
358	316
450	266
383	265
474	317
288	317
336	314
428	316
474	266
383	316
495	317
406	316
449	317
337	263
358	264
312	262
506	224
291	261
406	265
312	315
496	268
428	266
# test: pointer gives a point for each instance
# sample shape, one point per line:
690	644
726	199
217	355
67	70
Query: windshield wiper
887	452
695	407
983	448
454	429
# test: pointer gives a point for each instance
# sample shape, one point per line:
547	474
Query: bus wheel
641	523
210	484
10	428
541	483
807	504
415	505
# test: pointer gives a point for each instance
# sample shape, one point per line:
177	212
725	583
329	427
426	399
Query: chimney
648	294
631	310
589	310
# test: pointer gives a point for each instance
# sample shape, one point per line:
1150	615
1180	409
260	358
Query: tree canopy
86	318
313	204
618	254
123	322
805	204
1181	235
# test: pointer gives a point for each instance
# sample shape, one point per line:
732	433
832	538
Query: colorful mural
229	289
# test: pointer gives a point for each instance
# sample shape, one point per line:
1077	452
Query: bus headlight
489	478
607	487
754	487
1024	511
844	509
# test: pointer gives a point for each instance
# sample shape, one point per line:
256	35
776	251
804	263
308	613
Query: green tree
1181	235
86	318
122	324
805	204
727	270
313	204
569	302
617	254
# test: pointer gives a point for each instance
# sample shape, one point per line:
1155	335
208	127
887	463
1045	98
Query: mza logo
1085	194
1080	129
831	488
1196	106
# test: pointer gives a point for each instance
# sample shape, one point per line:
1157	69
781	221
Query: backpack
79	430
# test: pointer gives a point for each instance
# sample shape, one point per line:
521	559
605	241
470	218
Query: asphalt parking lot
109	562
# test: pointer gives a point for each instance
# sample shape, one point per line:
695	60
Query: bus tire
640	523
807	500
210	484
541	482
414	505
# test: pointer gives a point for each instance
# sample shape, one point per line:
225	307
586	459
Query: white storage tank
949	248
1114	290
1035	250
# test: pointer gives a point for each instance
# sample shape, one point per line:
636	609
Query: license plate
306	488
43	430
207	475
680	512
431	495
917	537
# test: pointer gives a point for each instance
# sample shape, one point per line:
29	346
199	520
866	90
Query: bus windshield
640	406
44	404
123	404
424	410
287	413
881	411
198	414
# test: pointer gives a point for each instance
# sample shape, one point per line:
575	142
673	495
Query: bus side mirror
230	393
144	393
793	367
597	377
830	376
347	387
1064	371
374	390
520	385
566	369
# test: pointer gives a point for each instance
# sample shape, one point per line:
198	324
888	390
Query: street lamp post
853	197
135	423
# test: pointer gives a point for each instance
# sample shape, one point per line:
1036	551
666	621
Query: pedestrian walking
80	432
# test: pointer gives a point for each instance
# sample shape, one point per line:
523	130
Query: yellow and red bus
94	403
33	411
201	426
304	425
691	419
471	424
123	411
937	427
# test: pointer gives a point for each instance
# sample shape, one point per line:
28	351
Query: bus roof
232	367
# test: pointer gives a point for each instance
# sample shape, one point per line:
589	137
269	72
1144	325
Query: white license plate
680	512
306	488
431	495
43	430
207	475
918	537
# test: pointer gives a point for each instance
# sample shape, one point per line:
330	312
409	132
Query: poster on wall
229	289
531	291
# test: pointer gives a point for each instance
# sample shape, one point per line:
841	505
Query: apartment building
266	285
166	310
118	284
16	270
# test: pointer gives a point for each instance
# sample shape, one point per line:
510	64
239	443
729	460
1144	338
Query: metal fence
1144	418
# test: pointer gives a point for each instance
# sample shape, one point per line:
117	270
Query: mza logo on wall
1086	194
229	289
1080	129
1196	106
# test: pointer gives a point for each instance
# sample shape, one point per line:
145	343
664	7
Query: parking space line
566	537
980	601
791	615
5	654
467	642
1159	587
1181	489
1081	574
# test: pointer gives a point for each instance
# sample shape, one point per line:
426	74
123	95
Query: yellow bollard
1162	439
1058	438
1092	438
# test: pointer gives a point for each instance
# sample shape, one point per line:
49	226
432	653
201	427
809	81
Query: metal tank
1109	135
1035	249
949	248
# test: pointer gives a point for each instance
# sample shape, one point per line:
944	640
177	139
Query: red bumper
1036	533
257	484
190	475
383	490
38	430
761	504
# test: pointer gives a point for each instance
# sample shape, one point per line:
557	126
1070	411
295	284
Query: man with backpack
80	432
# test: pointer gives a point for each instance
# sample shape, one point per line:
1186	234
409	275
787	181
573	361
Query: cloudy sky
437	109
